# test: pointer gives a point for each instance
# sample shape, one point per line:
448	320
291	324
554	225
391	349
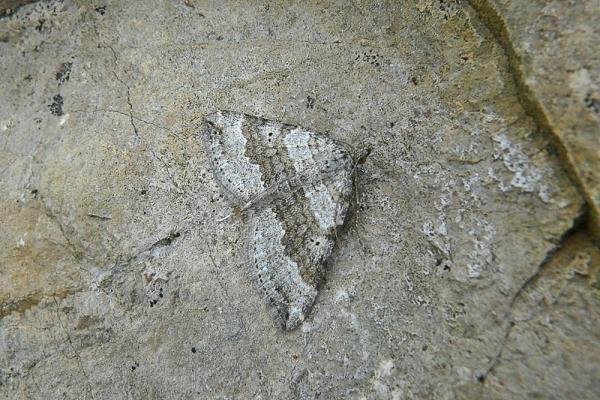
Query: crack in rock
578	225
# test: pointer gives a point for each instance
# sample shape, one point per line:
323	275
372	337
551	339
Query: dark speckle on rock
40	25
56	106
64	72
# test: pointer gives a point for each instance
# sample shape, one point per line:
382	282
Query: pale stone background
467	269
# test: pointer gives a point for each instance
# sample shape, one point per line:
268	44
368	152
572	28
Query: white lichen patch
526	175
581	82
461	243
380	381
63	119
21	241
481	255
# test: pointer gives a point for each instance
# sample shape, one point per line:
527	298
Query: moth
293	186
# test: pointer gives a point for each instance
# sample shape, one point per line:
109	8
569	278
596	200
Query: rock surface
10	6
122	280
555	56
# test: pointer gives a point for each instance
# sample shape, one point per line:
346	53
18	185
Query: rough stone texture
554	340
554	51
9	6
122	280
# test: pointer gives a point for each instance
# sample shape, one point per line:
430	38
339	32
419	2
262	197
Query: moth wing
290	240
296	185
225	144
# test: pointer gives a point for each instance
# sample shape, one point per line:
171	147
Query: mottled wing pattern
297	193
226	145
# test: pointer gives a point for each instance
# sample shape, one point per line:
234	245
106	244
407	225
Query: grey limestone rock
122	263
